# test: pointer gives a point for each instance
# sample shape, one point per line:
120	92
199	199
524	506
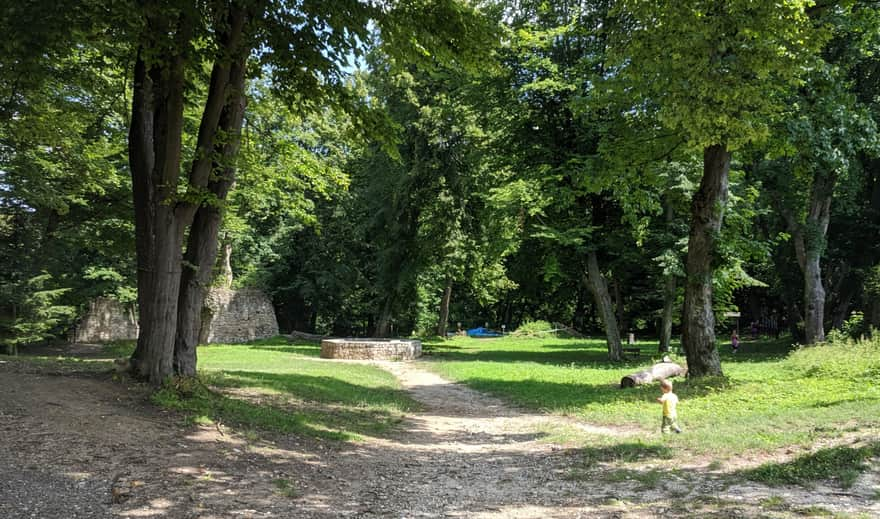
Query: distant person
755	330
734	341
669	400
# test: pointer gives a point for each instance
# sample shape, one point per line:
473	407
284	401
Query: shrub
533	328
844	359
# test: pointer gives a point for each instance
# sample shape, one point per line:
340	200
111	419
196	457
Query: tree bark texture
201	251
707	212
444	309
809	245
599	287
154	155
161	216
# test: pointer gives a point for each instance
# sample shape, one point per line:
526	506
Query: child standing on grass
734	341
669	400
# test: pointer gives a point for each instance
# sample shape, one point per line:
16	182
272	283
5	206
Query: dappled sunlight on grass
275	386
319	388
772	394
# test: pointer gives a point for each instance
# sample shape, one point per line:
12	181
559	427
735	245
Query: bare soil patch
81	444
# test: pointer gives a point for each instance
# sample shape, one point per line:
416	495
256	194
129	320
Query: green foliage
854	327
533	329
285	488
64	188
856	361
725	68
35	314
288	163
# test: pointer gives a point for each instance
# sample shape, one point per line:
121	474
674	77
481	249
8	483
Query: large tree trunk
814	299
599	287
444	308
154	155
161	216
707	211
201	252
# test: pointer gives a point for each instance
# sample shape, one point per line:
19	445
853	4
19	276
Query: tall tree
718	83
825	132
64	230
308	45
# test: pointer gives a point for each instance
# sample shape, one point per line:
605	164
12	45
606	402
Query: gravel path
88	446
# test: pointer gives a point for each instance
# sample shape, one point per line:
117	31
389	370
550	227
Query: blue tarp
482	332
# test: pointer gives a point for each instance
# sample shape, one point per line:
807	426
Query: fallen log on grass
656	372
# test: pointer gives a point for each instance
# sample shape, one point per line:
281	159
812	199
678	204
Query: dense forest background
549	168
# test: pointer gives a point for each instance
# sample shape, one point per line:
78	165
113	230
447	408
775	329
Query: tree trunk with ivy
809	240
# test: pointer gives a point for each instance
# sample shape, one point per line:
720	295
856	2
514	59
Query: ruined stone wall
232	316
229	316
371	349
107	320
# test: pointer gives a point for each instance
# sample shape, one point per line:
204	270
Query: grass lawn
772	396
278	385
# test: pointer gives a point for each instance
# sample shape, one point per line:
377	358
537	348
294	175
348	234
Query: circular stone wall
370	349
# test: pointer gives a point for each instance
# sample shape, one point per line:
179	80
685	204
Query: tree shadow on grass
760	350
839	464
565	396
600	463
592	357
559	396
625	452
317	389
322	407
308	349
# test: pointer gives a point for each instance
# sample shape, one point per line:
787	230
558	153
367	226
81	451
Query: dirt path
89	447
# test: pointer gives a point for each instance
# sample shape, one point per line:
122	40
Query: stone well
370	349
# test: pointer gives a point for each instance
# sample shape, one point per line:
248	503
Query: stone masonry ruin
370	349
107	320
229	316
